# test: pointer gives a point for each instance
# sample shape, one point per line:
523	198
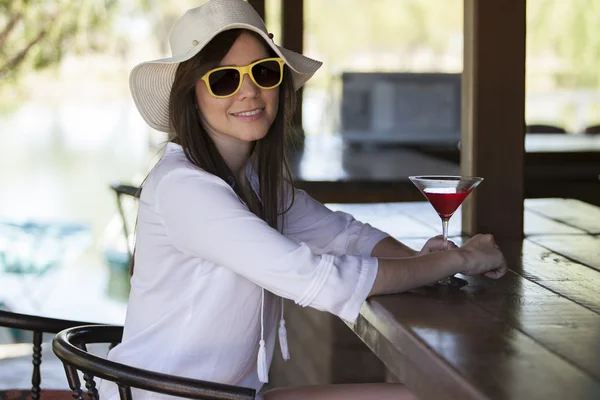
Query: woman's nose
248	89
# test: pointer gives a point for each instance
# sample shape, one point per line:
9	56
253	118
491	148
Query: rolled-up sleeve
327	231
204	218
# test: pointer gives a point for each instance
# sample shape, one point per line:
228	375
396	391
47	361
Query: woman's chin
251	134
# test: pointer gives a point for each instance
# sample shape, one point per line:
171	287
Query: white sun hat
150	82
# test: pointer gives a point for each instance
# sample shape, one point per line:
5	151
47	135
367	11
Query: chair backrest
70	346
540	128
592	129
132	192
39	326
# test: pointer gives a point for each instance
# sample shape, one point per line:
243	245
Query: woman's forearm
396	275
390	247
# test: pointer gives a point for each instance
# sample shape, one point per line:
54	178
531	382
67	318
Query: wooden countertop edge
420	356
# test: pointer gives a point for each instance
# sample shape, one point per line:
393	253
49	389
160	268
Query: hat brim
150	82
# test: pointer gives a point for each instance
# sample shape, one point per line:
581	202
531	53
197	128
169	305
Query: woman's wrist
389	247
463	262
396	275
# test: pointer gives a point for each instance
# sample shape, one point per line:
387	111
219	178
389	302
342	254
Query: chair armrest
121	188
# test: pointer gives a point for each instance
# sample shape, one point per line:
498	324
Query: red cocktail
445	203
445	193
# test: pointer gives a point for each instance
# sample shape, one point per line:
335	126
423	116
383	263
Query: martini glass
445	193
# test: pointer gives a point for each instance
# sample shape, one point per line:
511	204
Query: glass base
452	281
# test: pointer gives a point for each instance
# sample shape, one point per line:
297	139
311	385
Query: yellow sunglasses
223	82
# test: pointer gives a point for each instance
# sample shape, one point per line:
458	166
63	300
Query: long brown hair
268	153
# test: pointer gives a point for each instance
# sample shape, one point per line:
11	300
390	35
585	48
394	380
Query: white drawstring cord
285	353
263	374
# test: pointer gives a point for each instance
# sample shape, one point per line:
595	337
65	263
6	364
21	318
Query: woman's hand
483	256
436	244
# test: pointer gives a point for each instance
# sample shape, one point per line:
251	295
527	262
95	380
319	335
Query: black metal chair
592	130
70	346
540	128
119	239
121	190
39	326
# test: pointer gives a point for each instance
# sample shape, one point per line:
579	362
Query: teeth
249	113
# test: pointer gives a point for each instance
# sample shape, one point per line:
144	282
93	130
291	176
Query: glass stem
445	232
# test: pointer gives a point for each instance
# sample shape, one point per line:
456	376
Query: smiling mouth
249	113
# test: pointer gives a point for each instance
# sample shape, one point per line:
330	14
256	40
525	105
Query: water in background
56	164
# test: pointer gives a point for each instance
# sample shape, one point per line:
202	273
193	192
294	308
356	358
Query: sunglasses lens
267	73
224	82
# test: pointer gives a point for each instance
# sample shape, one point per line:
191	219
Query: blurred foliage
570	31
562	35
35	34
339	29
387	33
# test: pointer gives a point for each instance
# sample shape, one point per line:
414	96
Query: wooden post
259	6
493	115
292	30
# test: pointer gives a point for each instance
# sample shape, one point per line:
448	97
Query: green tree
35	34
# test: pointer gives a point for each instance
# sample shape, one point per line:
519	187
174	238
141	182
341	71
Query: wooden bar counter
534	334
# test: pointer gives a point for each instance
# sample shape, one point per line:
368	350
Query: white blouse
196	306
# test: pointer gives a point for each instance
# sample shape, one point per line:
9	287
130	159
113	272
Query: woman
222	237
